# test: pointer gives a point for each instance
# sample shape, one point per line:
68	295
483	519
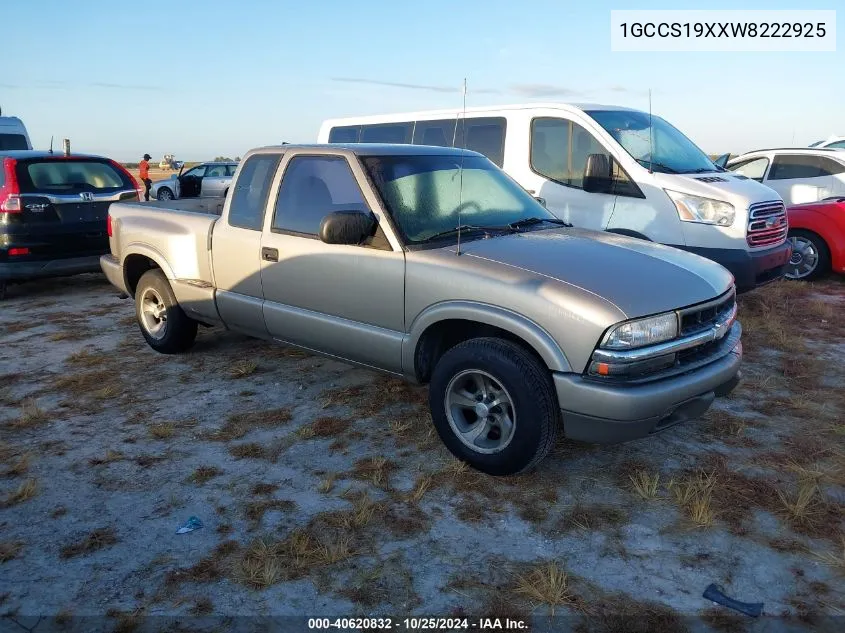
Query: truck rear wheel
494	406
163	323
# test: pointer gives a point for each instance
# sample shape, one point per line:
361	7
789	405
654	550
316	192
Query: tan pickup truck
432	264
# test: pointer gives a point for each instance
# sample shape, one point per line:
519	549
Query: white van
608	168
13	134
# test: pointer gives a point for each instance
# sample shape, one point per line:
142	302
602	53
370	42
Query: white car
799	175
833	142
208	180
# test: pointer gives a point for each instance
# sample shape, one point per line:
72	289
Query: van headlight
641	332
703	210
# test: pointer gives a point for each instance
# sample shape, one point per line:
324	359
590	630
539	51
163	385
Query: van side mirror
597	176
347	227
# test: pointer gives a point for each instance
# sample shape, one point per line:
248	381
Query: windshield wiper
532	221
651	163
470	227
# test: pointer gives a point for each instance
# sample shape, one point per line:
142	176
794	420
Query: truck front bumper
48	268
113	271
750	269
607	413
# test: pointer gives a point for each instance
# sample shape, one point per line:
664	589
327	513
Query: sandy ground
323	491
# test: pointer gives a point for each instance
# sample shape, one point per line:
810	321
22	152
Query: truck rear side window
313	187
249	199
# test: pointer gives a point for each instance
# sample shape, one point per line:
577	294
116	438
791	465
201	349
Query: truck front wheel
163	323
494	406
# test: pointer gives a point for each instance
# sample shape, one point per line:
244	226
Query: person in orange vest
144	169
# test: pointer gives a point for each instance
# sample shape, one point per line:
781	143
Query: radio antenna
51	144
461	169
650	137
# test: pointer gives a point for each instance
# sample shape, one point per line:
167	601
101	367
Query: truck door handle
269	254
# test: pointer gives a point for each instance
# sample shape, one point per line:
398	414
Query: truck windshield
653	142
428	195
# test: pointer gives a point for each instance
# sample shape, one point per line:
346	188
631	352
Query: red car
817	233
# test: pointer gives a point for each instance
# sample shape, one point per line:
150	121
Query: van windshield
653	142
428	195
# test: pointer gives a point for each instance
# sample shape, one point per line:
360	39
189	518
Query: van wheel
494	406
810	256
163	323
165	194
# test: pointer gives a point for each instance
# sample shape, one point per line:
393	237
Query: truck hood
638	277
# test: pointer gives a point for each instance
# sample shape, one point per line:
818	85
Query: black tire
161	195
179	331
822	250
528	384
225	193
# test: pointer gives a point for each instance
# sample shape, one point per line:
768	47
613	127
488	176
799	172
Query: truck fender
520	326
150	253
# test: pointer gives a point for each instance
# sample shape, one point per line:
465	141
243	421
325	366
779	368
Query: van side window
483	135
249	198
786	167
559	150
387	133
345	134
312	187
830	167
753	169
438	133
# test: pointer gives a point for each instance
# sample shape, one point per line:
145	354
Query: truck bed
211	206
176	235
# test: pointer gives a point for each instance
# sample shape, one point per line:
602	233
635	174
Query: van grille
767	224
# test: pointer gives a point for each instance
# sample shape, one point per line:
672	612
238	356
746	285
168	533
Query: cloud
543	90
430	88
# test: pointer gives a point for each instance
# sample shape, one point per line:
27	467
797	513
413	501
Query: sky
215	78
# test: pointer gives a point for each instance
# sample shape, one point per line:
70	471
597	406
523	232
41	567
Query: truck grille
699	318
767	224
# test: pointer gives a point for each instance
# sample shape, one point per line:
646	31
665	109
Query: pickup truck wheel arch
445	325
165	326
136	264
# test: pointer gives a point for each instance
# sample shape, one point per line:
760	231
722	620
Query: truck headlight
642	332
703	210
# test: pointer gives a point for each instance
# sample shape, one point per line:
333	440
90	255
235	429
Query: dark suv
53	212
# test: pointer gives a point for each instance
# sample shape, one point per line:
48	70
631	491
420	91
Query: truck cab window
312	187
249	199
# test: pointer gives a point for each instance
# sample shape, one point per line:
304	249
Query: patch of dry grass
96	540
545	584
836	558
327	484
243	368
645	484
10	550
24	492
325	427
17	465
254	510
694	495
262	488
239	424
366	401
204	474
202	606
162	430
88	358
31	415
267	562
421	487
247	450
592	517
108	458
376	470
99	383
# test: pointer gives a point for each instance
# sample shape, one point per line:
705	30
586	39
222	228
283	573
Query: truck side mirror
347	227
597	176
